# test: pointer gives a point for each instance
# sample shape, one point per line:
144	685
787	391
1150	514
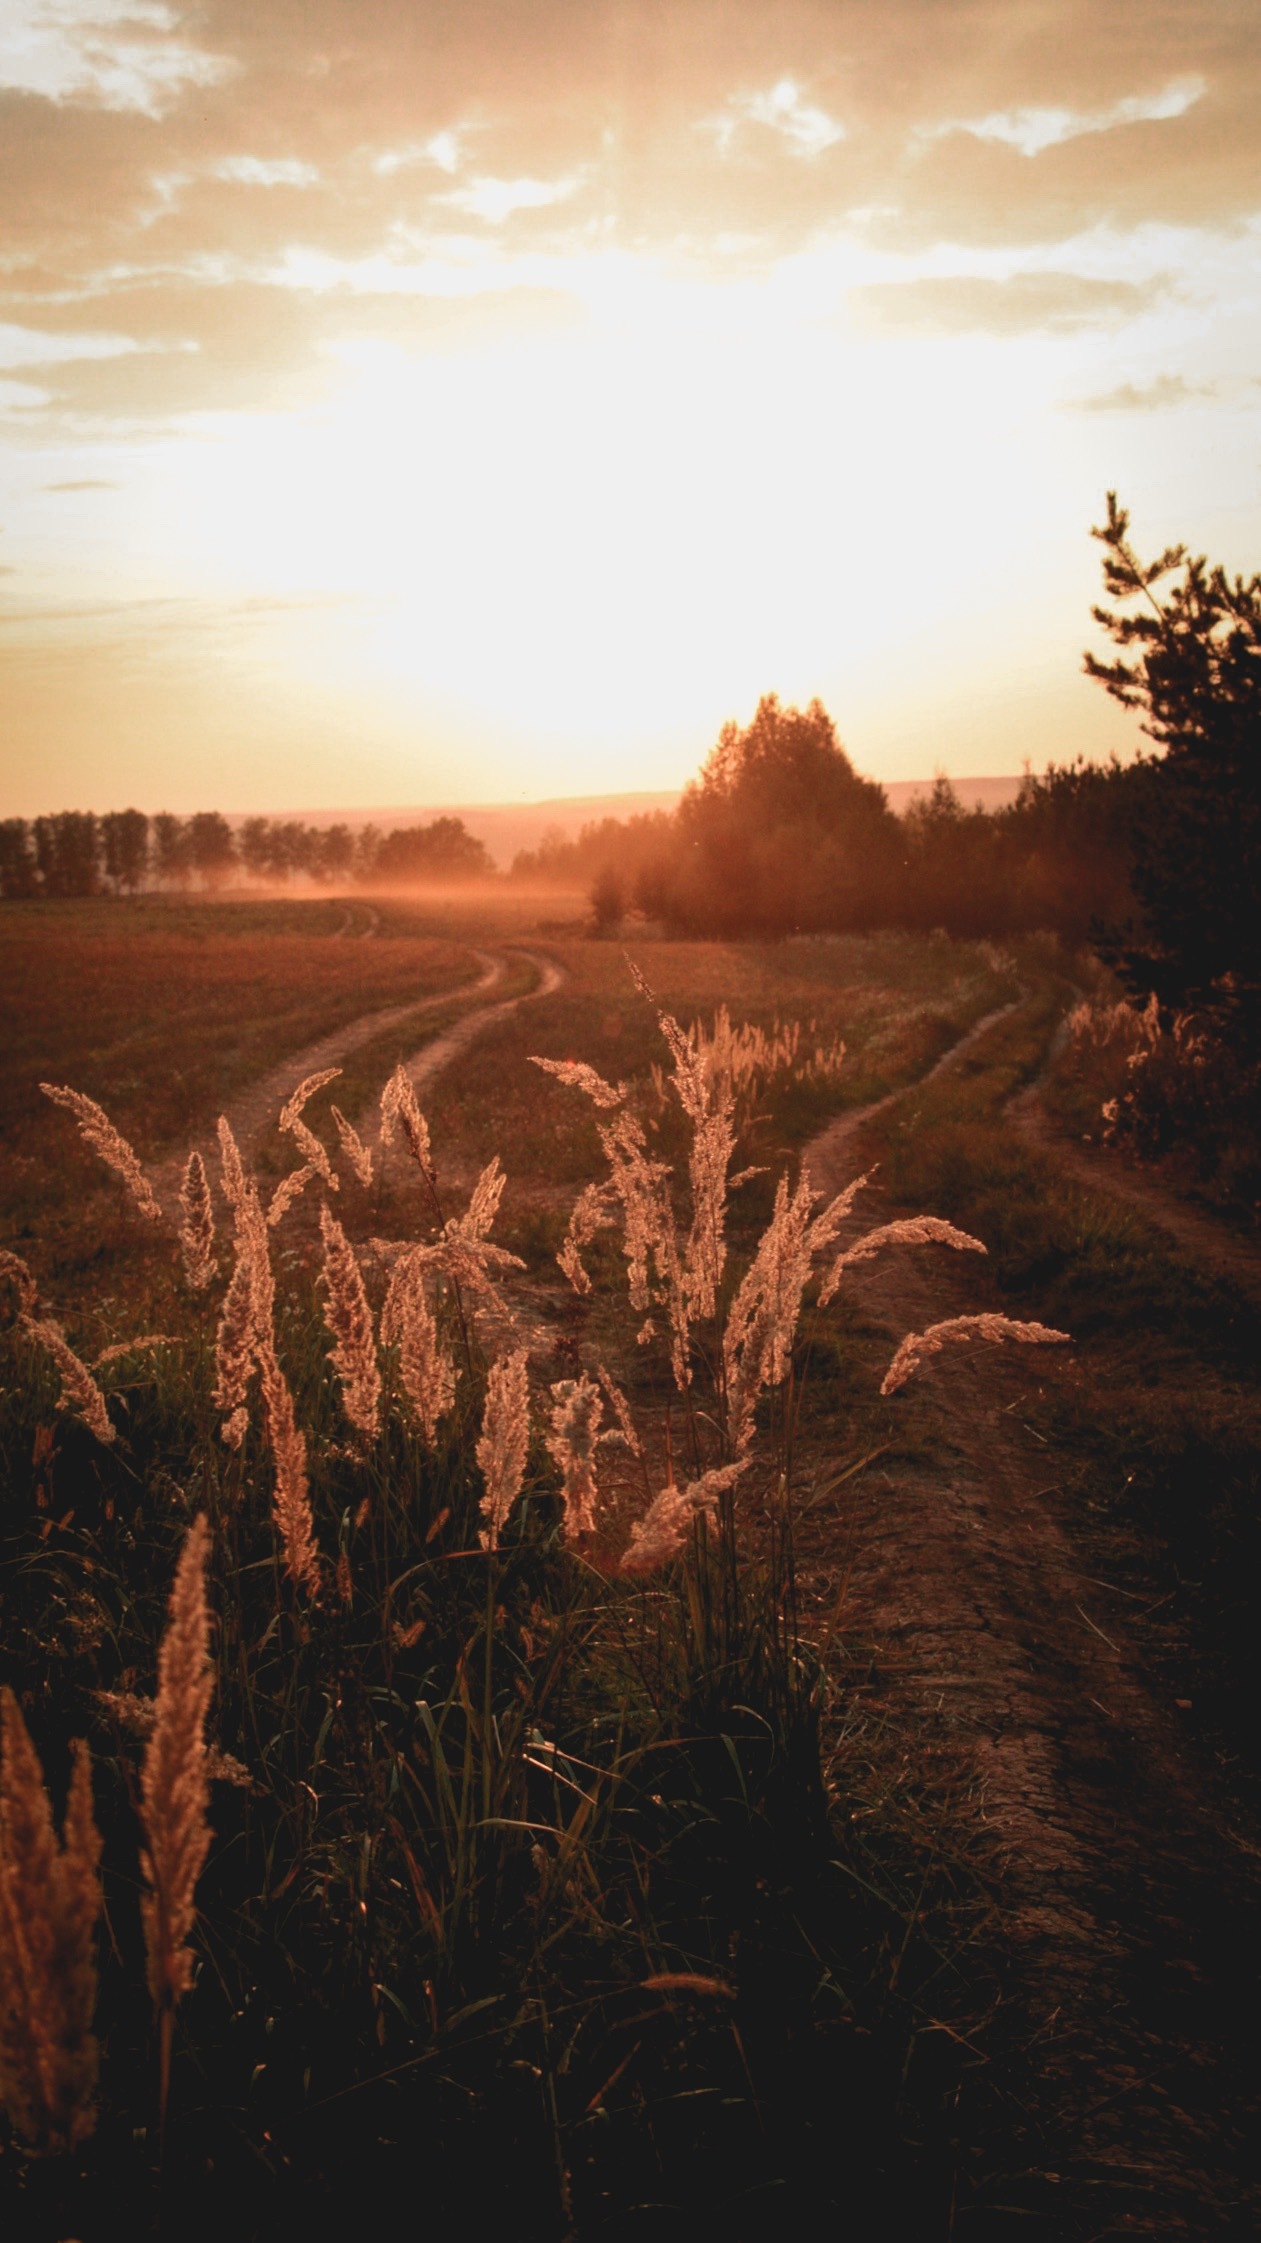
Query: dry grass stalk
762	1319
917	1345
79	1390
591	1212
231	1167
50	1898
916	1230
291	1502
425	1367
401	1116
99	1132
349	1319
197	1229
353	1147
291	1111
577	1409
234	1350
578	1076
14	1270
292	1124
621	1411
147	1340
663	1530
289	1189
175	1789
504	1442
246	1338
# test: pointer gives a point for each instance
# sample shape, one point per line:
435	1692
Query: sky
414	402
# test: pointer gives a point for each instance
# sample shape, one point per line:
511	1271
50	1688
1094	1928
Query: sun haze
414	404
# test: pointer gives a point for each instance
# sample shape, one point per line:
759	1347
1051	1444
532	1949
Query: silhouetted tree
1191	663
211	849
18	872
608	899
442	850
67	853
125	841
170	850
780	832
335	854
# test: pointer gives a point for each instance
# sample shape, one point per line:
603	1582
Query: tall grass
520	1828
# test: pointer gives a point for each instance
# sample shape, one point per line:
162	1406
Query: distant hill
506	827
989	794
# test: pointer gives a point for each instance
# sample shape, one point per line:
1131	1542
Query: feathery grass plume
591	1213
917	1345
663	1530
197	1230
577	1074
467	1256
708	1102
291	1502
305	1139
762	1319
916	1230
400	1115
79	1390
50	1898
504	1442
231	1167
621	1411
234	1350
99	1132
349	1319
175	1789
289	1188
147	1340
425	1367
14	1271
353	1147
577	1409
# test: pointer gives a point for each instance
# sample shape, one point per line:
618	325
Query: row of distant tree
76	853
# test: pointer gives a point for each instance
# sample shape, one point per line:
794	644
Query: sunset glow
395	412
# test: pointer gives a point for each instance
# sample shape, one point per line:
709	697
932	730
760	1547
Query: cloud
263	171
1031	130
120	54
84	483
807	130
497	199
1022	303
1146	397
254	146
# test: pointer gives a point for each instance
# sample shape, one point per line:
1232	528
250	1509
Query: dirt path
254	1110
1128	1905
1205	1238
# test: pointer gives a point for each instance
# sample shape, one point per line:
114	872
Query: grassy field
615	1875
523	1851
1159	1410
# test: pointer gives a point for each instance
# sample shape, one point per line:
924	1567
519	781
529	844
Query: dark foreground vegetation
453	1840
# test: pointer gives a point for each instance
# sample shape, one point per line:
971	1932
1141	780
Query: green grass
1158	1413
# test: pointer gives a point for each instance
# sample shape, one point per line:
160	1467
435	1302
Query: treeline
76	853
780	835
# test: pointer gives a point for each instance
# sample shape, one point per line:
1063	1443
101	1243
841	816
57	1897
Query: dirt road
1126	1898
255	1110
